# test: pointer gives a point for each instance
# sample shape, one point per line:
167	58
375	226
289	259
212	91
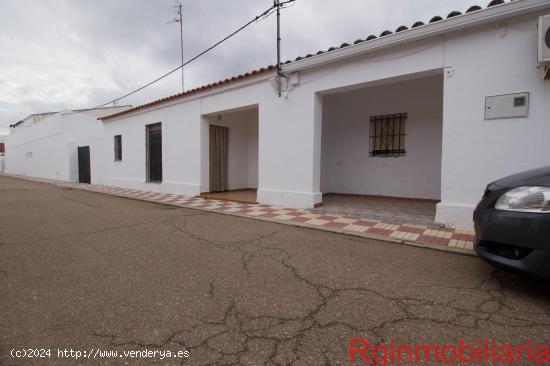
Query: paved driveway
85	271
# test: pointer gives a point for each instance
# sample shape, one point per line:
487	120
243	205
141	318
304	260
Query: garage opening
381	150
232	156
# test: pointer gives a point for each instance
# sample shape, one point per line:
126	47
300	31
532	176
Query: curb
438	247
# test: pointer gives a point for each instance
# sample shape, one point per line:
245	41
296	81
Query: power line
255	19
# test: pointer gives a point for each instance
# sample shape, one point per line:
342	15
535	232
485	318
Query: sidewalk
448	239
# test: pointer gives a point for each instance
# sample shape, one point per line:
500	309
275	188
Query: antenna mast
179	19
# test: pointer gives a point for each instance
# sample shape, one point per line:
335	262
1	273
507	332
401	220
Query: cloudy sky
58	54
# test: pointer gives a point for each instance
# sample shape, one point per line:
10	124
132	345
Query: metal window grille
387	135
153	135
118	148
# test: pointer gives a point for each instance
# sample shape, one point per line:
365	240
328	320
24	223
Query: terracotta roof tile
437	18
495	2
453	14
193	91
473	8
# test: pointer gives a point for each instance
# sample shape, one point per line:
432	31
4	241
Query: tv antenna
179	19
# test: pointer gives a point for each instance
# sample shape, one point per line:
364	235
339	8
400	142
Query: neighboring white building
2	153
46	145
2	144
426	96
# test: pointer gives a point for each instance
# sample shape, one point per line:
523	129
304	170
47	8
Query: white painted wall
180	150
49	149
289	148
495	58
185	142
346	164
38	151
294	123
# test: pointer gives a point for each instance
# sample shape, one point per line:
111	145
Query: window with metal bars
118	147
153	142
387	135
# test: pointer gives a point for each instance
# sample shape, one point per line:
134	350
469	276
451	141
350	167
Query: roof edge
195	91
454	23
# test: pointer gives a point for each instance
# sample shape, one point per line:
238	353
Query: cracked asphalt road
83	270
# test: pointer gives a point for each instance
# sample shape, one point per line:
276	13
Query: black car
512	223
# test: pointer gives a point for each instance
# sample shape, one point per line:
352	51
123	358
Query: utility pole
279	73
278	4
179	19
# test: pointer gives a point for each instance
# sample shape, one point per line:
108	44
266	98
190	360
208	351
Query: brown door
218	158
153	142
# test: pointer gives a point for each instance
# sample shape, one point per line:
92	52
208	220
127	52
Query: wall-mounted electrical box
507	106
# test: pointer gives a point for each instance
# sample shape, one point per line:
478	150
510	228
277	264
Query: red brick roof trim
193	91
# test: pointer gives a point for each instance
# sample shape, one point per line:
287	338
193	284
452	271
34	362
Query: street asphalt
84	271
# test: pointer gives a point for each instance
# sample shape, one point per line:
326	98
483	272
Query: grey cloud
70	54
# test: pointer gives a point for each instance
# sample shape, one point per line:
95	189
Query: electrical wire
261	16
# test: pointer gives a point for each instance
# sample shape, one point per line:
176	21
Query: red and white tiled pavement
450	239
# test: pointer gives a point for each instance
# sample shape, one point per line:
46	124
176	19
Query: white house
46	145
2	152
433	111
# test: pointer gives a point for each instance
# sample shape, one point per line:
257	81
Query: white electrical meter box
507	106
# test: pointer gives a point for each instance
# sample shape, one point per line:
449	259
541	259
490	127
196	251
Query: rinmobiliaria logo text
480	352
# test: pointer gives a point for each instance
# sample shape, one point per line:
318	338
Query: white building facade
2	153
46	145
407	114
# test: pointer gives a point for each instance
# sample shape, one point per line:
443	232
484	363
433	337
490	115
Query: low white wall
49	148
346	164
38	151
43	158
